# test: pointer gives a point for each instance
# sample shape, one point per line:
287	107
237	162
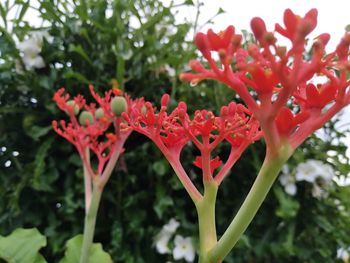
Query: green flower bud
71	103
85	118
118	105
143	109
99	113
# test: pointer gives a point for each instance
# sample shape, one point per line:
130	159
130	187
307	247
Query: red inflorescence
172	131
290	91
103	133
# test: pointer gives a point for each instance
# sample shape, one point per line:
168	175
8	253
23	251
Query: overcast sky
333	16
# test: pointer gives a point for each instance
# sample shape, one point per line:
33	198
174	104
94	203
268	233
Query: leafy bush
136	45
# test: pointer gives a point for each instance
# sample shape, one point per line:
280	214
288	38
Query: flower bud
259	28
118	105
201	42
74	106
143	109
99	113
86	118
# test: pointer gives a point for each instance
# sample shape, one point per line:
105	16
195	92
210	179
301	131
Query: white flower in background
317	173
307	171
343	254
161	240
171	226
171	71
313	169
184	248
31	48
288	181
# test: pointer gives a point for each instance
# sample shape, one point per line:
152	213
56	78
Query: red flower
91	134
172	131
297	27
286	121
318	96
214	163
268	77
264	81
222	40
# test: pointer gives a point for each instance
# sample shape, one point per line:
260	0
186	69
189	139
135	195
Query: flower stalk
206	220
90	222
88	130
256	196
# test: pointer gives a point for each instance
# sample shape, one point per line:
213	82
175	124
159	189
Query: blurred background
141	47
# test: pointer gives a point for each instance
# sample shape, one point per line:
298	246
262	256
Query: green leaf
22	245
72	255
160	167
288	207
75	75
40	162
36	132
3	15
79	49
23	11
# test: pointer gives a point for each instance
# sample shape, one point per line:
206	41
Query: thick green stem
249	208
206	219
90	221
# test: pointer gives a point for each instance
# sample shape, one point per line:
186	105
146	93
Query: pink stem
232	159
180	172
87	181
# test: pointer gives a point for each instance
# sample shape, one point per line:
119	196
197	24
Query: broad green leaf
73	249
22	246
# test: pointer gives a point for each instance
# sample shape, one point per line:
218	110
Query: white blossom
343	254
184	248
170	70
161	240
288	181
310	170
31	48
171	226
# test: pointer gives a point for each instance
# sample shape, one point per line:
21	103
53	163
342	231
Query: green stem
206	219
249	208
90	221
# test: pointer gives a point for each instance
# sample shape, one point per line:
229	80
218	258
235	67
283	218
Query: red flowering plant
98	132
282	91
172	131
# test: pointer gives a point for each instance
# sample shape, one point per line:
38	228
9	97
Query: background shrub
139	46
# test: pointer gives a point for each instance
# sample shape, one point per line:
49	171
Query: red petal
214	40
312	95
301	117
215	163
198	162
228	35
284	121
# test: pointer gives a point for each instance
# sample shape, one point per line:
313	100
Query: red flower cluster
89	128
280	86
172	131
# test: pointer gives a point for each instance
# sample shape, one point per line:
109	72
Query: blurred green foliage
135	43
